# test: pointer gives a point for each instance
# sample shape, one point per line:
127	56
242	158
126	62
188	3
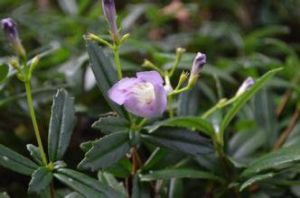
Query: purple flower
109	11
143	96
245	86
10	29
198	63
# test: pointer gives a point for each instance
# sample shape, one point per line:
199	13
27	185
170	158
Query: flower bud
10	29
109	11
183	77
198	64
245	86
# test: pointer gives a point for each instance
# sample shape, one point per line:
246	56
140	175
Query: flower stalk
34	121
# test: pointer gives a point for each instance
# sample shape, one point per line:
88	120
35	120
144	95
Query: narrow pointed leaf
16	162
275	160
255	179
74	195
35	153
179	140
192	123
61	125
110	180
85	185
179	173
104	72
40	180
106	151
241	101
111	124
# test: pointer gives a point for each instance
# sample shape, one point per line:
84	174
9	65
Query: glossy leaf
40	180
104	72
35	153
275	160
139	189
16	162
188	102
110	180
192	123
121	169
241	101
111	124
106	151
179	173
179	140
255	179
61	125
74	195
85	185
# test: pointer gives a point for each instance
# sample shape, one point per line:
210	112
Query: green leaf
85	185
156	156
241	101
4	69
105	74
86	146
122	168
256	179
110	180
61	125
179	173
16	162
193	123
106	151
176	188
74	195
35	153
111	124
179	140
188	102
275	160
40	180
139	189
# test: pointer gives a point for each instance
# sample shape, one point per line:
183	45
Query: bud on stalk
198	63
10	29
109	11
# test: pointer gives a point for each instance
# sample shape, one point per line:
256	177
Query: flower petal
119	92
150	76
160	103
151	110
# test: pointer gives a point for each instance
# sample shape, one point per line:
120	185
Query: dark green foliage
61	125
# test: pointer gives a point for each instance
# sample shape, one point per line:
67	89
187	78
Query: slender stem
285	134
180	90
170	108
34	122
117	60
52	190
221	104
136	160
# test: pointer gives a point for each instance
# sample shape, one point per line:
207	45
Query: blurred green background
240	37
